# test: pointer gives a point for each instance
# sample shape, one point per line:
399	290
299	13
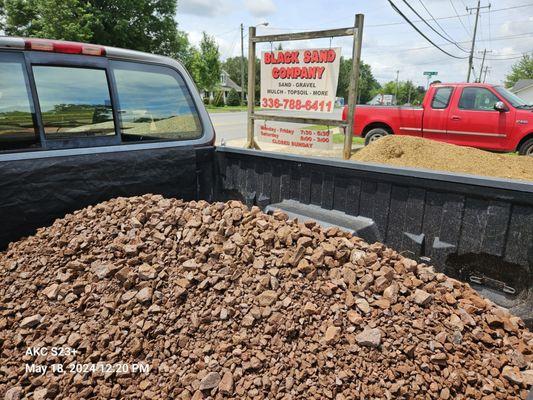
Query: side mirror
500	106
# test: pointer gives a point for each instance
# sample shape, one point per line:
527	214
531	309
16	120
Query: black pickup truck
80	124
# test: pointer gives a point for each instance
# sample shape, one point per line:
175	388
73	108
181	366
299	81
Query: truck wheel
375	134
526	149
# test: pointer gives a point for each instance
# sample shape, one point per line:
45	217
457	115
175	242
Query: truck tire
526	148
375	134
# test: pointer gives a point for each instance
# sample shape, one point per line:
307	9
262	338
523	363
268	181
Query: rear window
441	99
17	129
74	102
154	104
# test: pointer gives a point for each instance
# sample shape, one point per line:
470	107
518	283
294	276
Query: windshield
510	97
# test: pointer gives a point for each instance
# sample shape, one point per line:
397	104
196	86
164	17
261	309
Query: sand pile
408	151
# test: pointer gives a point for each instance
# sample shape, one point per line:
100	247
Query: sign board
300	80
295	136
430	73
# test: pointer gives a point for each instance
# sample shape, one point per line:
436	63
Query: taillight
57	46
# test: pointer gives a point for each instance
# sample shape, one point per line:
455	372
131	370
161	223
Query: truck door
473	121
435	117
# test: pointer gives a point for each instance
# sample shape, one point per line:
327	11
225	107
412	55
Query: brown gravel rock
13	393
422	297
51	291
226	383
332	333
31	322
370	337
362	305
222	301
210	381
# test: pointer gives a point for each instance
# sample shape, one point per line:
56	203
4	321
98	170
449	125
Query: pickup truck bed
479	230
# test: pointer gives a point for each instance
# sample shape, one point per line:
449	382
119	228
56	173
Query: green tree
232	66
183	49
407	92
193	63
523	69
233	98
145	25
2	16
210	66
367	82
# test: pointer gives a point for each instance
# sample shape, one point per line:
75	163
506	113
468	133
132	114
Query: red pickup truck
467	114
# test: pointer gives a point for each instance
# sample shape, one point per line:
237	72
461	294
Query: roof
462	84
19	43
230	84
522	84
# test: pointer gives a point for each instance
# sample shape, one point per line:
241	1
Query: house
524	89
224	86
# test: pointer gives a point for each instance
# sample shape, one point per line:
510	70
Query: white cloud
260	8
227	46
203	8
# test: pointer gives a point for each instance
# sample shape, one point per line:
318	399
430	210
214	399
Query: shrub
233	98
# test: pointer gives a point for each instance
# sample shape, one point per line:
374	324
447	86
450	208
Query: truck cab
478	115
63	96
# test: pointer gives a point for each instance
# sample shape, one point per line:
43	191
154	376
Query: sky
389	43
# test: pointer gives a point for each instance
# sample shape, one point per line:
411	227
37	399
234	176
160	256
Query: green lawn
212	109
339	138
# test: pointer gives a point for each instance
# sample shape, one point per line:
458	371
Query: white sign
300	80
296	137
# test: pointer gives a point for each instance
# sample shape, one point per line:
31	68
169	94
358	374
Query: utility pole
486	70
471	57
397	84
242	64
483	62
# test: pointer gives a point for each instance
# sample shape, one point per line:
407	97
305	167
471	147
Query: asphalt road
232	125
229	125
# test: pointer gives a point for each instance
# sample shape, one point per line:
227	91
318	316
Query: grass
212	109
337	137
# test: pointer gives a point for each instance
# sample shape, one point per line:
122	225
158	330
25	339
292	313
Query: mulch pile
409	151
225	302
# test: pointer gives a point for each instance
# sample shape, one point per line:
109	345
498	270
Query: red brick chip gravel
154	298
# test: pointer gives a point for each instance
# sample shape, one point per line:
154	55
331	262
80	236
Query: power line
403	22
450	16
511	56
434	20
431	27
420	32
459	18
467	16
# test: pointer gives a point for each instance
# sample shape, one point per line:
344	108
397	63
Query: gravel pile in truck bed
225	302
